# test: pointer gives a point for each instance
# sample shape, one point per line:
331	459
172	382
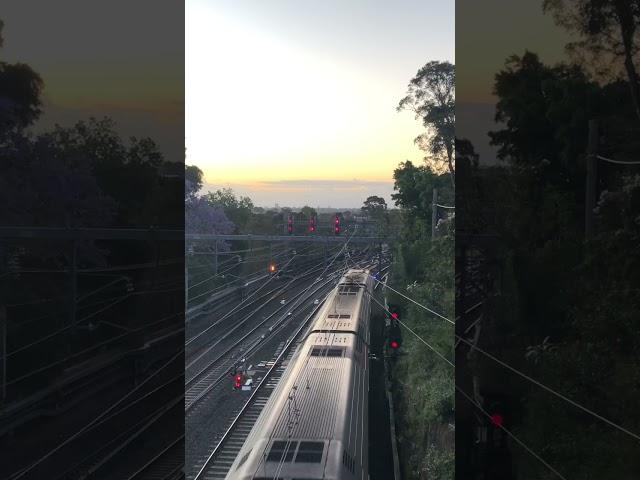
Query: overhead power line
618	162
511	435
417	303
549	389
517	440
532	380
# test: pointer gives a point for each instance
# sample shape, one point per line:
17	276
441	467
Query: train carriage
315	424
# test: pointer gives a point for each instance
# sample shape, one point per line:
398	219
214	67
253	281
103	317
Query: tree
20	90
374	206
608	27
237	209
192	180
466	151
431	96
308	212
203	217
545	111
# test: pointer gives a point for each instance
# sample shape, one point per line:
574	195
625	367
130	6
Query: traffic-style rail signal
312	224
394	313
238	381
290	224
395	334
336	225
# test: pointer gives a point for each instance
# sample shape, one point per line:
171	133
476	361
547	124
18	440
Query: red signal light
394	344
238	381
394	315
497	419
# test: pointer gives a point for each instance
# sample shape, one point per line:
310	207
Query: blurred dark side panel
91	240
547	235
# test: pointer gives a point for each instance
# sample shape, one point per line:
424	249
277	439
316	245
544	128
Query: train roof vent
333	315
280	451
310	452
327	352
344	316
348	290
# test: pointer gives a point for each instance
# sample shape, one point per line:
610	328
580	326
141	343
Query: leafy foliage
567	315
431	96
424	268
237	209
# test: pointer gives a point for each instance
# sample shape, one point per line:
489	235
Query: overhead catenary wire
195	337
618	162
541	385
511	435
417	303
87	350
549	389
307	362
115	301
24	471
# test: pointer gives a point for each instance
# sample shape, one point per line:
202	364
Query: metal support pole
592	175
434	213
74	284
156	253
3	326
3	313
215	259
186	279
325	254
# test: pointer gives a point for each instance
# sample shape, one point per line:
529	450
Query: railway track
217	370
197	342
166	465
227	447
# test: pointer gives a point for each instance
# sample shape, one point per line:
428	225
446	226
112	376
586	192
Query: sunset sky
484	40
95	60
294	103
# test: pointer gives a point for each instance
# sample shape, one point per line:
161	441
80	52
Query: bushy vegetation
567	314
423	382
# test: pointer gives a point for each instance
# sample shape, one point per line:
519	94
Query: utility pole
592	175
434	213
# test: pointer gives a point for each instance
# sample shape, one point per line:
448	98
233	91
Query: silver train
314	425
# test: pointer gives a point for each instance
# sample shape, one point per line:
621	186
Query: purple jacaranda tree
202	217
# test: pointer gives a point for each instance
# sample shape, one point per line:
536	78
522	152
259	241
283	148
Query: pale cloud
316	193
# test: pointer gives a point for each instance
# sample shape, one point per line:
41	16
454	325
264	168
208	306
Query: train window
327	352
310	452
277	451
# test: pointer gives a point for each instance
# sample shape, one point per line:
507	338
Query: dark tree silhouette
431	96
20	90
608	29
